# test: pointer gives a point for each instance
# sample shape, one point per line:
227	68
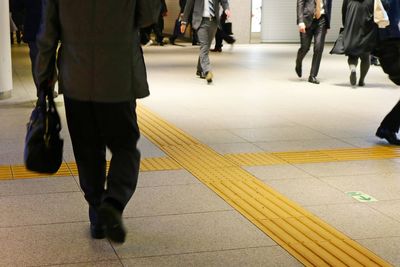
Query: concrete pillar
5	52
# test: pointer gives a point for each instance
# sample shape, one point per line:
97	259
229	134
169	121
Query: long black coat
360	31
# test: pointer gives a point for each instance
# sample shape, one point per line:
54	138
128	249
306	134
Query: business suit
388	51
206	28
102	73
314	28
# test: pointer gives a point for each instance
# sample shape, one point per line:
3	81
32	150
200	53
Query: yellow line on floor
70	169
315	156
309	239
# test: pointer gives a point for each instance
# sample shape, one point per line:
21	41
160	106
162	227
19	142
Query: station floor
260	168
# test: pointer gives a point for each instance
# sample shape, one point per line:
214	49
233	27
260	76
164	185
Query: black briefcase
227	28
43	145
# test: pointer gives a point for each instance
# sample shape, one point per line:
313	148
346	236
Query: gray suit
206	28
102	73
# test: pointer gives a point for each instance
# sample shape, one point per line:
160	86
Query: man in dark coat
102	73
33	15
313	20
388	52
177	28
359	36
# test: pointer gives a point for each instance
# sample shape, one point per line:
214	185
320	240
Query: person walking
205	21
388	52
101	83
223	33
359	36
313	20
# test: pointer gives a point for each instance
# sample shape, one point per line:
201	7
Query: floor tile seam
208	149
42	193
201	252
384	214
44	224
77	262
228	210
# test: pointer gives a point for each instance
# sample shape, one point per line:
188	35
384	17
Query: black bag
338	47
43	145
227	28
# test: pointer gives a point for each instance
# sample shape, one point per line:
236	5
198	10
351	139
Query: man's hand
228	13
183	27
302	27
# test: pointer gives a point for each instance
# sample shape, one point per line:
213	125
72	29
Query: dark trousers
317	30
389	57
365	64
220	36
33	52
93	127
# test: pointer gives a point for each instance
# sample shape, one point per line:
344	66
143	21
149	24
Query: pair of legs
205	34
317	30
93	127
364	67
389	57
220	36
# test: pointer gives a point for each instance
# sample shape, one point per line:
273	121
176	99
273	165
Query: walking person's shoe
216	49
390	136
200	74
353	77
313	79
112	219
298	69
209	77
97	228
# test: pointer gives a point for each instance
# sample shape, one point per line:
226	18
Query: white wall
279	21
5	52
241	19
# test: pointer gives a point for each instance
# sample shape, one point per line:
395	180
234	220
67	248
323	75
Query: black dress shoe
201	74
216	50
312	79
353	78
112	219
298	70
97	231
390	136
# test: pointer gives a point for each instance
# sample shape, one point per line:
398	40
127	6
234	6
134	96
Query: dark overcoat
100	58
360	30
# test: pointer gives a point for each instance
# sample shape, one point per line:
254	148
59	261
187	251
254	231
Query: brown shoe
209	76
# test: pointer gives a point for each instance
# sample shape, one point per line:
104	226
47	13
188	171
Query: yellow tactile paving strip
310	240
316	156
70	169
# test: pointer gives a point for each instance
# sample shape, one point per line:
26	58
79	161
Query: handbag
43	145
380	16
338	47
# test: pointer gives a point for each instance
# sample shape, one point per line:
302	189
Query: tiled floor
255	104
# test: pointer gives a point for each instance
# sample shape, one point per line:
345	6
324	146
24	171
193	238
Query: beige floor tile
42	209
277	172
389	208
51	244
163	235
38	186
217	137
235	148
93	264
357	220
163	178
381	187
263	256
387	248
362	167
178	199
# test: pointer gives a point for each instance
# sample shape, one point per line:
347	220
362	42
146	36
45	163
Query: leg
218	40
353	62
89	149
206	33
391	121
118	127
319	42
365	64
305	43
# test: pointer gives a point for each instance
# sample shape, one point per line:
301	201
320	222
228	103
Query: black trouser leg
364	66
305	43
319	43
218	39
392	120
93	126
